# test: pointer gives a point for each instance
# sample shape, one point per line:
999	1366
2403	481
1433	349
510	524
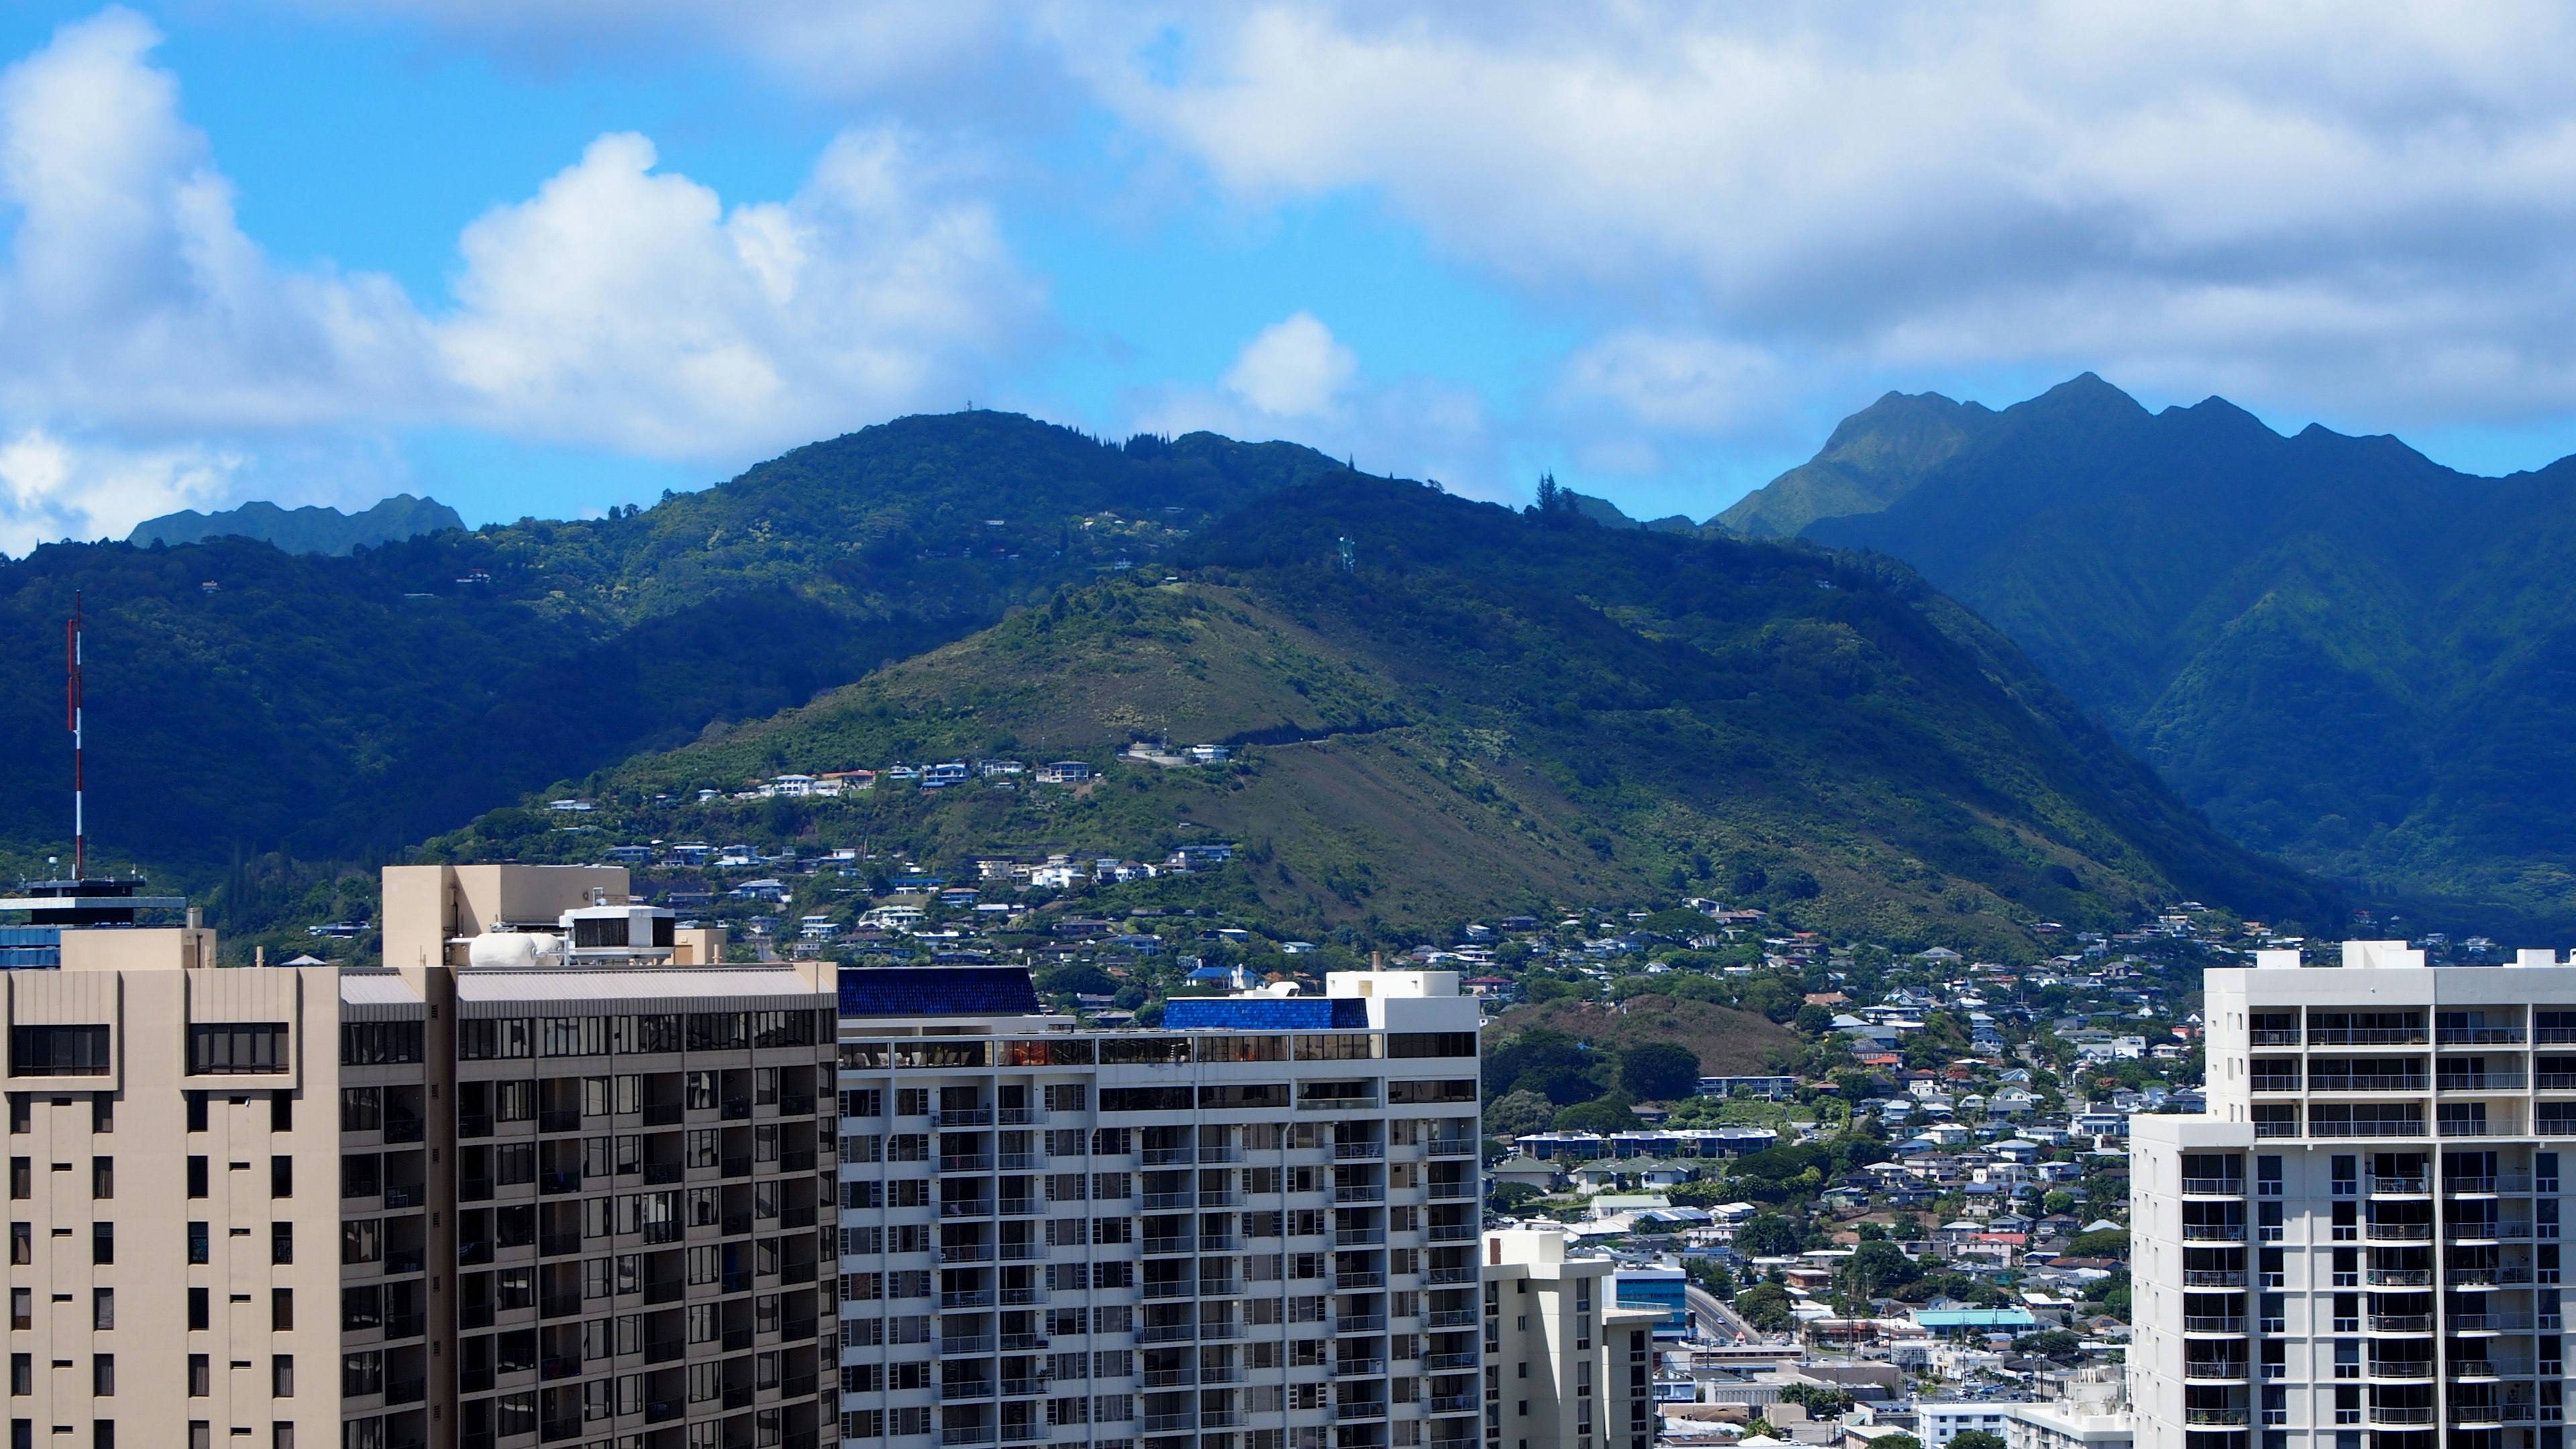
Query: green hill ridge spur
1484	711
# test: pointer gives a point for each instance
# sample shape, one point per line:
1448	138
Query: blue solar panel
1266	1013
937	991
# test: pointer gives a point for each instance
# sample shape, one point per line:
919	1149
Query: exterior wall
1565	1368
1940	1423
2064	1426
1228	1239
134	1119
2362	1235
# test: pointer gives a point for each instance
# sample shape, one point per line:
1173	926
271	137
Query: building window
57	1051
237	1048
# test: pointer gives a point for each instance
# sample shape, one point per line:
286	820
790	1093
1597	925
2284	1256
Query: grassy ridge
1486	712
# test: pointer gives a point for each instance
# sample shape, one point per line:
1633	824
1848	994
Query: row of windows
1157	1050
514	1038
218	1049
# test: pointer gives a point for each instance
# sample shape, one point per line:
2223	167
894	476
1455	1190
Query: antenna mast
72	710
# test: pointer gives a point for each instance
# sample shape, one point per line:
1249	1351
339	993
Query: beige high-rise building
1565	1366
554	1177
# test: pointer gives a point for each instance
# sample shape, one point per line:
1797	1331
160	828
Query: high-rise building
1565	1366
553	1178
2359	1241
1254	1227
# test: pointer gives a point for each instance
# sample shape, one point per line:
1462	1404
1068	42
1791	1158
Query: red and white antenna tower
72	711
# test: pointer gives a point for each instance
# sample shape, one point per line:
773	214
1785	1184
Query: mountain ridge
310	529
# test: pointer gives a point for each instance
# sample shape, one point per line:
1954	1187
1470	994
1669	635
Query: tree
1895	1441
1976	1439
1515	1113
2107	1243
1765	1306
2055	1344
1813	1020
1711	1275
2056	1202
1769	1235
1876	1269
1510	1196
1659	1071
1608	1115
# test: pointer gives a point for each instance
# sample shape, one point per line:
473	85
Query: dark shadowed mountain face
2344	652
303	530
1486	710
241	697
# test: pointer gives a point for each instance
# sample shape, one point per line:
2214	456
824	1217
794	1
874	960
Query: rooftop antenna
72	711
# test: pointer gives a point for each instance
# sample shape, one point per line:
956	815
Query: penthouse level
1253	1228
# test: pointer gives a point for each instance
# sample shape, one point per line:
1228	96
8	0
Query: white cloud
1293	369
53	488
620	307
2362	207
1293	381
628	309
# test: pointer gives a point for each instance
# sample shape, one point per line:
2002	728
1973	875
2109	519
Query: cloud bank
144	335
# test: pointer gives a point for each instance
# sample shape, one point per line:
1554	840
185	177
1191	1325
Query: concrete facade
1565	1366
1255	1229
451	1204
2361	1236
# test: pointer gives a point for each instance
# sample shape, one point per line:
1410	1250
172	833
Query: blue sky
555	255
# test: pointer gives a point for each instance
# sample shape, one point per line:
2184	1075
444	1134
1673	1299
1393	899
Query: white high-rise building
1254	1227
1565	1366
2358	1243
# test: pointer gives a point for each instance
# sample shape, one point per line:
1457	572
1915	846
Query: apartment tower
1565	1366
553	1177
2359	1241
1254	1227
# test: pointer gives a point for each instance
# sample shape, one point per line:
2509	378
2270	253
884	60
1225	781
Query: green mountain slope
303	530
1873	458
245	698
2347	654
1487	712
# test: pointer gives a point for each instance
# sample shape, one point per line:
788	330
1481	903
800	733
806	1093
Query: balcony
1020	1161
1021	1116
1450	1318
1171	1288
2397	1232
971	1434
2488	1322
2214	1370
1365	1192
1435	1362
2398	1277
2213	1277
1452	1232
2493	1079
965	1345
966	1253
2368	1082
1457	1147
2213	1418
2477	1232
2273	1038
1022	1342
1450	1275
2471	1370
2213	1187
1220	1287
2491	1413
2503	1182
1164	1201
1364	1409
1166	1333
967	1117
1171	1156
2398	1186
2203	1324
967	1298
1453	1403
2403	1370
1358	1151
1356	1282
1180	1378
1364	1237
1358	1368
1441	1191
966	1162
2401	1323
2213	1232
2392	1415
973	1207
1360	1323
2478	1035
2367	1036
